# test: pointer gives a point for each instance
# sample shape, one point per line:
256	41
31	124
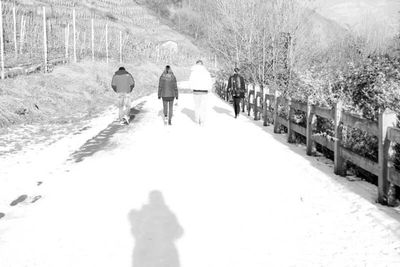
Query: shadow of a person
155	229
190	113
222	111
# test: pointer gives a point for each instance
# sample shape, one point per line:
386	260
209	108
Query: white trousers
200	106
124	105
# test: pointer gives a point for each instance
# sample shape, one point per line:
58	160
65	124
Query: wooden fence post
67	41
339	162
1	41
107	43
249	103
244	98
290	137
386	119
44	39
83	47
276	114
15	32
22	34
255	106
92	40
265	107
120	46
74	29
311	121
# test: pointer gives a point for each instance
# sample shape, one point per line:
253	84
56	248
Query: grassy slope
78	91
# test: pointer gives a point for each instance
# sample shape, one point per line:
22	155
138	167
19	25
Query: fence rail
267	107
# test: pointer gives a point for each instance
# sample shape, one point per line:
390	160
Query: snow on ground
242	195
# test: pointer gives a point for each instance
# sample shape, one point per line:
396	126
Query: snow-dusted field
241	194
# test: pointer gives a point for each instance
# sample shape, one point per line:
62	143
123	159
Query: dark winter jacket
122	82
236	85
167	86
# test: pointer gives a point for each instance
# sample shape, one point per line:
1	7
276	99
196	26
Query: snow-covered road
241	195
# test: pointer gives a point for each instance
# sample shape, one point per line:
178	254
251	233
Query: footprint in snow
36	198
18	200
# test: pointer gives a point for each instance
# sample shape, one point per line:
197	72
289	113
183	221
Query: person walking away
200	82
168	90
123	84
236	86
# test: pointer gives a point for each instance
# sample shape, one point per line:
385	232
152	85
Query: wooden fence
267	108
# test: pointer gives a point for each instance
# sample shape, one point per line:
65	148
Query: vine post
44	40
120	46
92	40
107	43
15	32
74	32
1	41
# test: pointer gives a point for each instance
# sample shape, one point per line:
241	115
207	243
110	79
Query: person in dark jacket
168	90
236	86
123	84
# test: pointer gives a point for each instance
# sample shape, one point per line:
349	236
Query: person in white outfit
201	84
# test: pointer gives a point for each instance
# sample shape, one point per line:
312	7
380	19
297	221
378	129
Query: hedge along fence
37	38
267	108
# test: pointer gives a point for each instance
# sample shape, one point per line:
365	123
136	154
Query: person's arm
132	82
160	85
229	84
191	80
176	88
209	81
114	83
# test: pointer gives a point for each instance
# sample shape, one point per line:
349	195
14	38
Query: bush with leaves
371	87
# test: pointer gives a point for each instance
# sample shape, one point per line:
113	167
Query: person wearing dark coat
236	86
123	84
168	91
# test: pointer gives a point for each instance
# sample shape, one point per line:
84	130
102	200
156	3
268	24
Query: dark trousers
236	105
168	106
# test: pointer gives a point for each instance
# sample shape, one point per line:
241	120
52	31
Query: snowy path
242	196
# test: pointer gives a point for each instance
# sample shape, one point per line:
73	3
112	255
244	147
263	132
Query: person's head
236	70
199	62
167	70
121	68
156	198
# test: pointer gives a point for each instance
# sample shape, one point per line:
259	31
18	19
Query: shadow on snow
353	187
189	113
102	140
155	229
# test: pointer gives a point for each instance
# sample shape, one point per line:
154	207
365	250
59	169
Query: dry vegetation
137	27
70	92
81	90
